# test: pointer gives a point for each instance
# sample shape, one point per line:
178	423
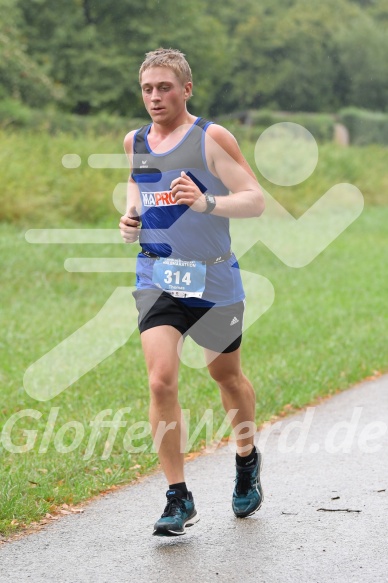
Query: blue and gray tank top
172	230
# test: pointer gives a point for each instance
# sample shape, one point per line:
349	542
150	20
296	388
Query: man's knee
226	380
162	388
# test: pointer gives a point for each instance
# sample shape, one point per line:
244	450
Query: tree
21	77
363	49
94	50
291	58
289	54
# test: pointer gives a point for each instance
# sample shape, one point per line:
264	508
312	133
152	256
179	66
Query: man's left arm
226	162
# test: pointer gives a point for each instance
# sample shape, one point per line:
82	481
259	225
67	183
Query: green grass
365	167
37	191
325	331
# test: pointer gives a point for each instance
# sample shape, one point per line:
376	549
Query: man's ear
188	87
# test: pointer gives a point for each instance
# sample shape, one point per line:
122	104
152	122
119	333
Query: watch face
210	203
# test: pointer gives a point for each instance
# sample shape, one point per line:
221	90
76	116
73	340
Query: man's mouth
157	108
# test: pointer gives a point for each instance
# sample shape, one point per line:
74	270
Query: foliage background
83	55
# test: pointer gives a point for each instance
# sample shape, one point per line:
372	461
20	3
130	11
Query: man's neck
161	131
163	137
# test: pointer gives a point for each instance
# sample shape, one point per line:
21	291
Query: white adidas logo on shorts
234	321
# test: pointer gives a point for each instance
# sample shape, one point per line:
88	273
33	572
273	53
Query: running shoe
248	494
179	513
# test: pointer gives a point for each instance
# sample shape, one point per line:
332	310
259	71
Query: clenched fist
130	226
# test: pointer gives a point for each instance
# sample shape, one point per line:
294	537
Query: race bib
182	279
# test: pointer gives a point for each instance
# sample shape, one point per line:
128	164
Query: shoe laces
174	505
243	481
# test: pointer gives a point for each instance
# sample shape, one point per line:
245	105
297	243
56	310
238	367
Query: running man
188	179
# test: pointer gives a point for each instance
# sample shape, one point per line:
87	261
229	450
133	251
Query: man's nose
155	95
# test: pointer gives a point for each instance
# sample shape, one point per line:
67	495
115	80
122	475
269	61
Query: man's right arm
130	222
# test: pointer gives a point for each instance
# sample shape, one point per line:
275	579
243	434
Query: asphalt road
324	517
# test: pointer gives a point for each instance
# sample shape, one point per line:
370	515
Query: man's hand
185	191
129	226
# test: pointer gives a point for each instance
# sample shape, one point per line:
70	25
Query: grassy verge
37	191
325	331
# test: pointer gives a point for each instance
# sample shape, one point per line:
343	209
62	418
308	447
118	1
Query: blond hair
171	58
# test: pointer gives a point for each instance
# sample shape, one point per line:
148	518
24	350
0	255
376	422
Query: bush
14	114
365	127
320	125
250	124
242	132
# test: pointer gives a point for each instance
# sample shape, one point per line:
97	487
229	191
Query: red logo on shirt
163	198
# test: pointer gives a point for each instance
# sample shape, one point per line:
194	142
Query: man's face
164	95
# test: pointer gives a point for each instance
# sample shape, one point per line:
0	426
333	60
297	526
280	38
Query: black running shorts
218	328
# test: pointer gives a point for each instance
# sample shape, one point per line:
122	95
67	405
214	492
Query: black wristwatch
210	203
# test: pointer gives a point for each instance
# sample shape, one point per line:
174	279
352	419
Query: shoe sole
261	501
166	532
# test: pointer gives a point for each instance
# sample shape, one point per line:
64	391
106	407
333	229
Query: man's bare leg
162	360
236	393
